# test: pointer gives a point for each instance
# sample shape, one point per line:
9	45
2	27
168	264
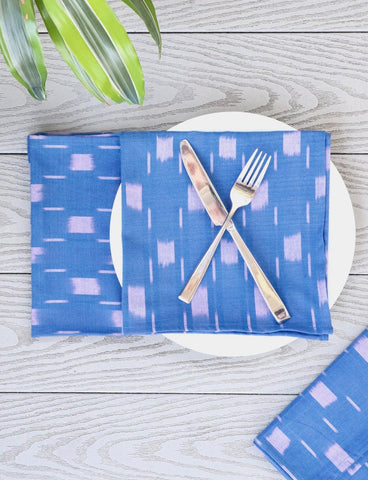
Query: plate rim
274	342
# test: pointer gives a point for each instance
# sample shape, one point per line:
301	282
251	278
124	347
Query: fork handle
187	294
269	294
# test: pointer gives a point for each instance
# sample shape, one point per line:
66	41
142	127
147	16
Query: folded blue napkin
74	180
165	232
323	434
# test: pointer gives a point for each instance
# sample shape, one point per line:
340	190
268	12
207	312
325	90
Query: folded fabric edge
327	208
322	337
74	334
281	468
39	135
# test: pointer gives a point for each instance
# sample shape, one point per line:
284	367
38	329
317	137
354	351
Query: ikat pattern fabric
74	180
166	231
323	434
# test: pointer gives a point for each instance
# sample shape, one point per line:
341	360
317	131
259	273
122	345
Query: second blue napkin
322	434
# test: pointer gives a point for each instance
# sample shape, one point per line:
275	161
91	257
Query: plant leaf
21	47
146	11
69	58
96	46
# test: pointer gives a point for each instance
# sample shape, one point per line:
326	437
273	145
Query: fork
241	194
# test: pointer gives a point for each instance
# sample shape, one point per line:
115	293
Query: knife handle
269	294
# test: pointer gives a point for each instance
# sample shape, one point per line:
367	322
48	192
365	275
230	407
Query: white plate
341	240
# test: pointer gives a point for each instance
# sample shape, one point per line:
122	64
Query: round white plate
340	249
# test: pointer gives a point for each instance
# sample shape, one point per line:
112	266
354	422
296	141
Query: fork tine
262	174
244	178
253	178
247	165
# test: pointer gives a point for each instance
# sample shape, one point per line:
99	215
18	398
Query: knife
218	213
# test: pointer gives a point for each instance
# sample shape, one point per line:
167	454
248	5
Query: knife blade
202	184
218	213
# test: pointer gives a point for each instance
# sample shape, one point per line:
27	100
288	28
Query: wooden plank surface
250	16
153	364
302	79
15	210
148	409
140	437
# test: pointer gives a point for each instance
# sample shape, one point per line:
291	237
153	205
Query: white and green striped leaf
20	45
96	46
146	11
68	57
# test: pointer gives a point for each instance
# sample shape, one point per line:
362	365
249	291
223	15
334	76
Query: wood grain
147	408
311	81
251	16
354	171
14	214
140	437
15	211
153	364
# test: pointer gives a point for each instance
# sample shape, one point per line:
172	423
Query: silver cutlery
242	193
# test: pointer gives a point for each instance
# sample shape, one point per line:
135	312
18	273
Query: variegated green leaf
97	46
146	10
20	45
69	58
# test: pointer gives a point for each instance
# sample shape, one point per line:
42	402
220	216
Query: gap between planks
188	394
247	32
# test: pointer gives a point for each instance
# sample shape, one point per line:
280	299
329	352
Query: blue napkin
74	180
323	434
165	232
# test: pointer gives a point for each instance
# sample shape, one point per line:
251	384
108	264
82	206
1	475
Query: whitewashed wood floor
143	408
